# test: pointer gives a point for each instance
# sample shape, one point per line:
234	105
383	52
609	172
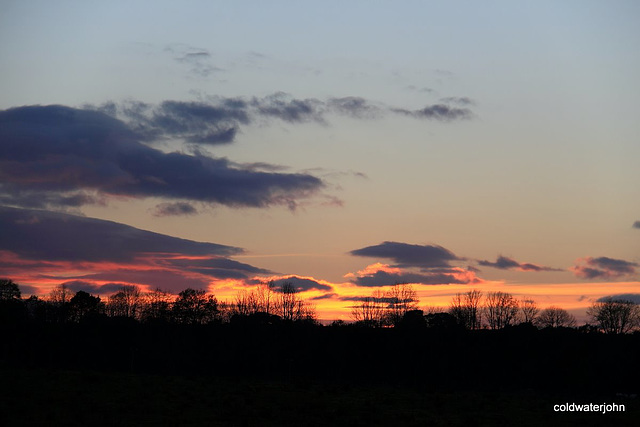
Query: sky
342	146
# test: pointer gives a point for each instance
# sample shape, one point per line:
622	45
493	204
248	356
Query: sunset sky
343	146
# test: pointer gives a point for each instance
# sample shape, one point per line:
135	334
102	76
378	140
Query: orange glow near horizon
333	303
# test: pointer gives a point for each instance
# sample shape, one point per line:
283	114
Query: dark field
119	372
77	398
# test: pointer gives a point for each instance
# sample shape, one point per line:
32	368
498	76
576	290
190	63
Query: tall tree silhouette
194	307
12	309
9	290
83	305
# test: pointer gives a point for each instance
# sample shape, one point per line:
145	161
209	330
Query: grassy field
88	398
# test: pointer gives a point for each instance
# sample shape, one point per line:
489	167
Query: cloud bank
56	248
408	255
57	156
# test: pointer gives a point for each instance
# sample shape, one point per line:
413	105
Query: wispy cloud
174	209
505	263
440	112
458	100
198	60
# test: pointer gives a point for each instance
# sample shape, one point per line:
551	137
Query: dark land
258	370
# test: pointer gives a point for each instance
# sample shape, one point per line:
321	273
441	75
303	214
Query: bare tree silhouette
615	316
371	310
500	309
125	303
528	310
554	317
401	298
465	308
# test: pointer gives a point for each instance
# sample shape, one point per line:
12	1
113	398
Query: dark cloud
217	267
603	268
52	236
407	255
36	199
83	155
174	209
92	288
61	157
195	121
504	263
282	106
387	300
218	119
384	278
330	295
301	284
219	263
33	241
169	280
636	224
440	112
634	298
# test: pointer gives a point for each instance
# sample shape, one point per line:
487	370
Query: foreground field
89	398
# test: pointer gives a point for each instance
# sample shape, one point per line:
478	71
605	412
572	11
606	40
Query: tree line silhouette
480	341
190	307
497	310
266	302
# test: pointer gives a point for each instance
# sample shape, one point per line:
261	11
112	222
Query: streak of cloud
505	263
174	209
634	298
